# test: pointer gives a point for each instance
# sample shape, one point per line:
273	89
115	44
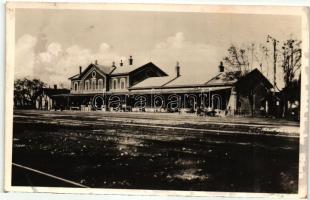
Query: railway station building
147	88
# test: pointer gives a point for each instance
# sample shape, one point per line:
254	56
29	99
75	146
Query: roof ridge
114	67
73	76
171	80
206	83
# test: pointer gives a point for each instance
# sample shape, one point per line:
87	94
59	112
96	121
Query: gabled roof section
126	69
120	70
105	69
101	68
224	78
248	82
74	77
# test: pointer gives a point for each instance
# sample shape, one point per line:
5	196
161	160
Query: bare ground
156	151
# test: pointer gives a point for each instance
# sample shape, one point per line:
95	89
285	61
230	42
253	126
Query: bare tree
291	64
238	63
237	59
291	60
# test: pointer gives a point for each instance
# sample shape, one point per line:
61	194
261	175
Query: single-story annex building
46	101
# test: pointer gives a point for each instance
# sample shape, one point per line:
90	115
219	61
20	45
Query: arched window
81	85
87	85
123	83
75	86
100	84
114	83
103	82
93	74
93	83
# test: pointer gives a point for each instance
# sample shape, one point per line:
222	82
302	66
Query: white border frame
10	45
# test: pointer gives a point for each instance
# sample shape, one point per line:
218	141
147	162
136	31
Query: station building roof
102	68
219	79
153	82
125	69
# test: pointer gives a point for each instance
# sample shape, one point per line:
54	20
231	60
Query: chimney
55	87
177	69
221	67
80	70
130	60
113	64
121	64
96	62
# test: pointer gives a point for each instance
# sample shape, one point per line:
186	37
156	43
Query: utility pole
288	65
291	46
252	55
288	62
265	56
274	43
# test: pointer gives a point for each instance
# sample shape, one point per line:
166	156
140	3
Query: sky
52	44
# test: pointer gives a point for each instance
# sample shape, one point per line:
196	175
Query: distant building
45	100
130	87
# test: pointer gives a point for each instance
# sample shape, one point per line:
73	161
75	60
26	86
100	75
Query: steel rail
49	175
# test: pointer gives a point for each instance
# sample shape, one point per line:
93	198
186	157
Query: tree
237	60
237	65
241	61
291	60
291	64
26	91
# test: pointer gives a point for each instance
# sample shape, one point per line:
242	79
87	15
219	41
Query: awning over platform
76	95
152	91
169	91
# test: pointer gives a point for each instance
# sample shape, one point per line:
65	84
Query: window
75	86
103	83
93	74
114	83
87	85
93	82
123	83
81	85
100	84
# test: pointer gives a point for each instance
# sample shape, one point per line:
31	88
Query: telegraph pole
252	55
291	46
288	65
265	56
274	43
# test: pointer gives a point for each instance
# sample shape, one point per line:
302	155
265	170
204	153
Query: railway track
48	175
119	145
164	117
